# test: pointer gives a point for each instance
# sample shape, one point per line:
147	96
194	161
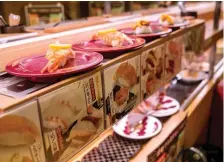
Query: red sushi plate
100	46
179	25
31	66
158	30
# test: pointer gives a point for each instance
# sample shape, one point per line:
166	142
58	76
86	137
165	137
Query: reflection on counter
18	87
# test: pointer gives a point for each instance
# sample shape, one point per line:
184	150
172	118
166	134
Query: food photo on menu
122	88
173	54
152	69
72	117
20	135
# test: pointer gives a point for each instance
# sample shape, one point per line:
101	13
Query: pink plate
31	66
179	25
158	30
99	46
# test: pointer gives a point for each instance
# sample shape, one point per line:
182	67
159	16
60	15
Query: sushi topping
141	23
166	19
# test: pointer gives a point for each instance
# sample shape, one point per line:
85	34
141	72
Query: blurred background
37	13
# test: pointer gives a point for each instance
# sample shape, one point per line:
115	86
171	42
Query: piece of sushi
57	56
143	30
112	37
166	19
142	27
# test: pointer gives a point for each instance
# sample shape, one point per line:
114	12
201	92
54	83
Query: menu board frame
25	116
72	116
44	9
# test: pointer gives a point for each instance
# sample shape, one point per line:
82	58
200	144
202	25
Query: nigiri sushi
112	37
57	56
142	27
166	19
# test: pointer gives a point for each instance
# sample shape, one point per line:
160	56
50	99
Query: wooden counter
197	113
148	148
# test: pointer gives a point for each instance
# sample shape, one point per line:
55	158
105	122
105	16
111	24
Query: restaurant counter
197	113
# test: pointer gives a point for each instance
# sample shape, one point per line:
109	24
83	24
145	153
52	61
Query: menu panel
152	70
20	135
122	88
72	116
173	53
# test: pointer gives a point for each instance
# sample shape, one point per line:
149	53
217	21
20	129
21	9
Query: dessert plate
31	66
169	106
158	31
100	46
151	126
186	78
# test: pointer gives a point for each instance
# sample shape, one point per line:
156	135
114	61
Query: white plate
201	76
152	128
169	111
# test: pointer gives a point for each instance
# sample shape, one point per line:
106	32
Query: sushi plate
31	66
158	31
178	25
200	76
169	106
151	126
100	46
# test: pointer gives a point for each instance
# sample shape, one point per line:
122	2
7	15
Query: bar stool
191	154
